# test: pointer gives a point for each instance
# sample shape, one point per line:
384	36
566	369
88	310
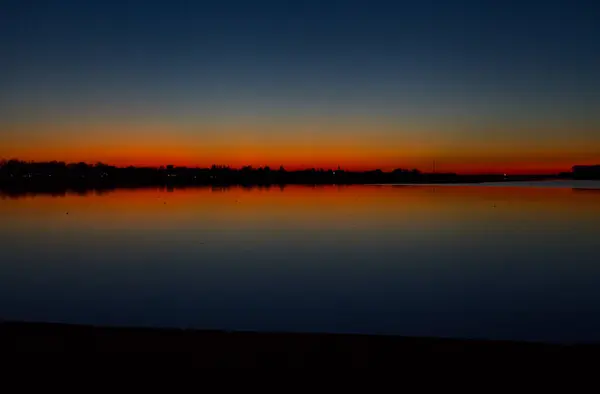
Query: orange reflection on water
300	206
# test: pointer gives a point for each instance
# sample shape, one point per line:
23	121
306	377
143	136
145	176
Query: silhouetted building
586	172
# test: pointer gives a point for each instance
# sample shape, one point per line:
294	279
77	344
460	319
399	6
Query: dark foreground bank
191	348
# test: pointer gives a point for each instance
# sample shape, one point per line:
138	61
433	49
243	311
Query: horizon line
295	168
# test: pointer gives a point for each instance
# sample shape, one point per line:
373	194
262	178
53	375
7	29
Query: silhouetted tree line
56	176
13	171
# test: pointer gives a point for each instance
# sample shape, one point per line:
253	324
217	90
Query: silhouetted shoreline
221	348
18	178
49	176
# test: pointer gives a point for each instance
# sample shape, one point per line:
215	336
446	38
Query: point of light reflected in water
485	262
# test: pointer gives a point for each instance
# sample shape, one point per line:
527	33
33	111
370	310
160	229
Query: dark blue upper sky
489	61
290	49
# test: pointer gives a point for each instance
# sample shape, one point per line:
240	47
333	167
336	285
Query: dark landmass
586	172
195	348
59	177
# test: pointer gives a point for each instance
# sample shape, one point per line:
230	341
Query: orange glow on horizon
357	146
291	163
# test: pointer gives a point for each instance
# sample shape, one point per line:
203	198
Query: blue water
502	263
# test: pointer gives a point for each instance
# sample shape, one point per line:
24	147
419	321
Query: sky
477	86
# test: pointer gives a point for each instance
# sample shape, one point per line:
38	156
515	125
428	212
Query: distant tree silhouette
56	176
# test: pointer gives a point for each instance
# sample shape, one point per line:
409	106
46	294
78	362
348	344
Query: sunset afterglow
367	85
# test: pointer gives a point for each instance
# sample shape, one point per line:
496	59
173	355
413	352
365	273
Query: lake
502	262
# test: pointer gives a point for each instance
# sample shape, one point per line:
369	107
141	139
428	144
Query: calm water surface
456	261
